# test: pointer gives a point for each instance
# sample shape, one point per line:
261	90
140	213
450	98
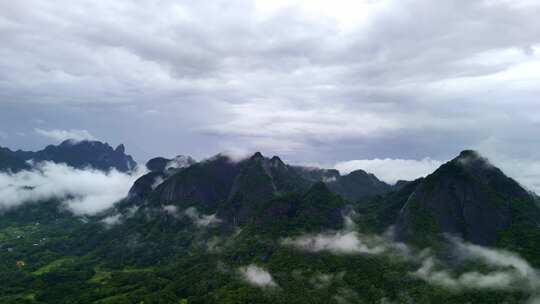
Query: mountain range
258	230
78	154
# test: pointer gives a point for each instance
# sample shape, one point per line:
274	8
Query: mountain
9	161
259	230
315	174
355	186
78	154
236	189
381	212
358	185
161	164
259	180
470	198
204	184
160	169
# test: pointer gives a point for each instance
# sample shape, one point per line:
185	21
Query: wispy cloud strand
60	135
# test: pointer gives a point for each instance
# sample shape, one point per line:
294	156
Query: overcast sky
314	81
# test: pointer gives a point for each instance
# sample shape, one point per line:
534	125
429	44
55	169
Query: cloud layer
85	191
349	242
200	220
311	80
507	271
497	269
346	241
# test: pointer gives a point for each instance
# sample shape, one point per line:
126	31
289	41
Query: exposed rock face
81	154
389	206
145	184
205	183
467	197
234	186
259	179
160	169
238	191
161	164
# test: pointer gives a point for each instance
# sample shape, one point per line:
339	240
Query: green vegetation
56	264
164	260
50	256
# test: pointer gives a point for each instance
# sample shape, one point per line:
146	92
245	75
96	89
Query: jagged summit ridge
80	154
235	189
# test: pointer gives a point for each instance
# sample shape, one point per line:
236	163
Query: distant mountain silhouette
78	154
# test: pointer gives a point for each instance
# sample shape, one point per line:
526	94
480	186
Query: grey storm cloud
314	81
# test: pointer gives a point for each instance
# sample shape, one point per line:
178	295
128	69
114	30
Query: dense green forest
260	231
51	257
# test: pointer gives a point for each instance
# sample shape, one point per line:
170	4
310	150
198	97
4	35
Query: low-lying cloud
507	271
83	191
200	220
257	276
236	155
112	220
346	241
502	269
341	242
324	280
179	162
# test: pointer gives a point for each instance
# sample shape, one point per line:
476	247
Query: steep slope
161	164
315	210
467	197
258	181
381	212
160	169
354	186
358	185
205	184
232	188
321	208
236	190
317	174
81	154
8	161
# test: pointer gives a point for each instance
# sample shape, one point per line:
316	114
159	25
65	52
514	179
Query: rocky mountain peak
257	156
120	149
81	154
472	159
276	162
467	196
